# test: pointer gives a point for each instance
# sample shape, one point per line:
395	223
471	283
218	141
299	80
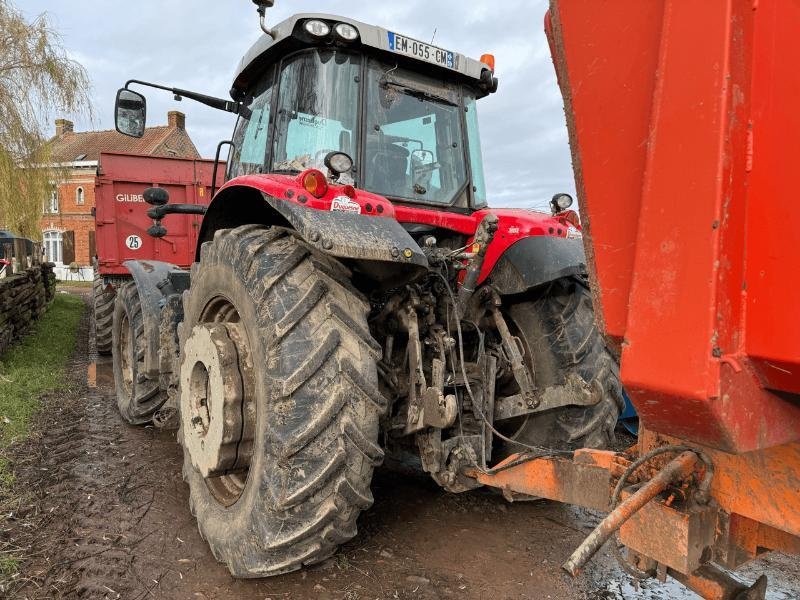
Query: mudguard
155	281
535	260
352	235
362	230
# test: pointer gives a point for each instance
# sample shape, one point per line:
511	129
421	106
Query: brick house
67	221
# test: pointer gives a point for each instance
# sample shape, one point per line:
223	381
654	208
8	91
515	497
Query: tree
37	78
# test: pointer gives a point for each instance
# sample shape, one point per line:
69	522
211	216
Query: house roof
168	140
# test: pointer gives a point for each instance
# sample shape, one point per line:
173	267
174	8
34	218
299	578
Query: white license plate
422	51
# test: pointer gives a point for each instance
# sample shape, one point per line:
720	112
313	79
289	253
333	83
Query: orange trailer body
684	127
685	136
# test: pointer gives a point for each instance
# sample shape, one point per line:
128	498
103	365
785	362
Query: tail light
315	183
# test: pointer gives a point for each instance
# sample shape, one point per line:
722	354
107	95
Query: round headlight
562	201
346	31
338	162
317	28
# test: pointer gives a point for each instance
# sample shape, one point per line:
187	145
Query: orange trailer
684	129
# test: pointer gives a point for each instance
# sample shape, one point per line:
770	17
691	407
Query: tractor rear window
414	147
317	109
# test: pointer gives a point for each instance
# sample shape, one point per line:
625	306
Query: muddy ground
106	516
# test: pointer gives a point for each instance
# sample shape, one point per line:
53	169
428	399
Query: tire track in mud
99	509
91	498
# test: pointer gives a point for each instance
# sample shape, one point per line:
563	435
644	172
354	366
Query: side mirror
423	166
130	113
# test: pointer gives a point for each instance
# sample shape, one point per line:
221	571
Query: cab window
317	109
251	137
475	156
414	143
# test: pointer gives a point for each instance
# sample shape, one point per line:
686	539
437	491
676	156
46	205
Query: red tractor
353	297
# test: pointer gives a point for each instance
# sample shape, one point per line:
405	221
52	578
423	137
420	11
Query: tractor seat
387	167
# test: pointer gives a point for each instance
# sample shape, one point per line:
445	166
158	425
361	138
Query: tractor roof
369	35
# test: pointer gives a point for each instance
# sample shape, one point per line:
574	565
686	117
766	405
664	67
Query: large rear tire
103	316
560	336
293	345
138	397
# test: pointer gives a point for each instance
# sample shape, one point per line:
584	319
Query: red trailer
121	221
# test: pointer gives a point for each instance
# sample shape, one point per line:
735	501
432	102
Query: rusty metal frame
681	541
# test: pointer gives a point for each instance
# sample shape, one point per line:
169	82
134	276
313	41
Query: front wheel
559	335
279	405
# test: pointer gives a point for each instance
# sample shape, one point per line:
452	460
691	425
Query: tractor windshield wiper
419	93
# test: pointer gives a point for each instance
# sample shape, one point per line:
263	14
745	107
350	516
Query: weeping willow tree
37	79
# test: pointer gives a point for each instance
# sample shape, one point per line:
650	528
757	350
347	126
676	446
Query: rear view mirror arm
218	103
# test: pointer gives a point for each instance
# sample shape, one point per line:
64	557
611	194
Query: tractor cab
366	106
403	111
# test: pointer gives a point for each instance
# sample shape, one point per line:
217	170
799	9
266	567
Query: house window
53	246
79	196
53	208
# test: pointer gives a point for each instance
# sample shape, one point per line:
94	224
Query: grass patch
8	566
34	366
75	283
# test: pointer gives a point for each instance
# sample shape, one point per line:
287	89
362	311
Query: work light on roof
346	31
317	28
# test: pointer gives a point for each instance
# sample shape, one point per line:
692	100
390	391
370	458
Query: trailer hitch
680	468
675	540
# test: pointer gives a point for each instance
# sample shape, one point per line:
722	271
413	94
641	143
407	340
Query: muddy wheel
138	397
103	315
559	335
278	399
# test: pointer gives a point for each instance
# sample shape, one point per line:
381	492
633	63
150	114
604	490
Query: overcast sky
196	44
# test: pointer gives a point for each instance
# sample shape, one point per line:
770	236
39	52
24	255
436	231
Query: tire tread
335	444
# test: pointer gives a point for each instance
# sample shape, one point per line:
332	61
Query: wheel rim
217	400
126	356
